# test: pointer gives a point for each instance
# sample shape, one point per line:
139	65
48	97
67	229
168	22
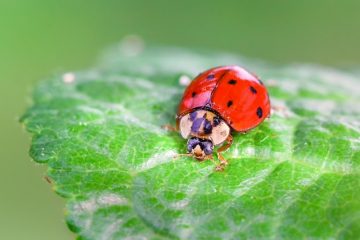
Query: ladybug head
200	148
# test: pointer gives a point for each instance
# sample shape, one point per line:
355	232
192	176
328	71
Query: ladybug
218	102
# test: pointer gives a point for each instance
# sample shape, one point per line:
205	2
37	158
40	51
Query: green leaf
295	176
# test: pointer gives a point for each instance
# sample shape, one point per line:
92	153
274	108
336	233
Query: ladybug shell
238	96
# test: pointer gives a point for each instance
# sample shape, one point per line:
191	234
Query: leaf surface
295	176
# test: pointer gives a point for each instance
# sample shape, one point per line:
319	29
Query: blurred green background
39	38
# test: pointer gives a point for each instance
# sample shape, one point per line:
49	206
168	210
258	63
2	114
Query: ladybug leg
170	128
223	148
209	157
182	155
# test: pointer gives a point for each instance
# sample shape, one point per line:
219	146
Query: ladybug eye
216	121
207	127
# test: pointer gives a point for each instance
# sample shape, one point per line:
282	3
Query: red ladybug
216	103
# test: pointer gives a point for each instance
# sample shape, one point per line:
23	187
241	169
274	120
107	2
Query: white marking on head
185	126
220	133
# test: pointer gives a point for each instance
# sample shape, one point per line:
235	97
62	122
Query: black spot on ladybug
229	103
193	116
210	77
260	82
259	112
232	82
253	90
207	127
193	94
216	121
